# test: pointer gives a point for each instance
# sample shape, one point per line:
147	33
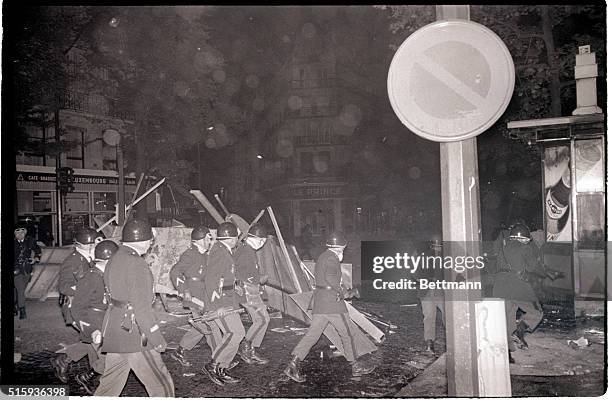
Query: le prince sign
451	80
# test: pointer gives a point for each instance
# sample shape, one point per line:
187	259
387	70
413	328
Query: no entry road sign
451	80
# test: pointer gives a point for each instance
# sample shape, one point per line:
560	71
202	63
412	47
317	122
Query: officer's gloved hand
160	347
239	289
223	311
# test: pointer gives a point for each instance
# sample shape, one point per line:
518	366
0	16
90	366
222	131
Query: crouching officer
74	267
328	307
187	275
88	309
249	277
27	252
219	283
518	264
131	337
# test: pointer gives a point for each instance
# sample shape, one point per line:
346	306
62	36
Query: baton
213	315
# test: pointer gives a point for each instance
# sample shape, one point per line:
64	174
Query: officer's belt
118	303
226	288
324	287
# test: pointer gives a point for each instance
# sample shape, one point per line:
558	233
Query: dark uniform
88	308
73	268
130	332
187	275
219	284
248	274
432	300
516	263
328	307
26	250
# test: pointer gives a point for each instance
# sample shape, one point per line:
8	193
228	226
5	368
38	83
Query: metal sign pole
460	223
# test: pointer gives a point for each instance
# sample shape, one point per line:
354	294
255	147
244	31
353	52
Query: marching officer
72	269
88	308
219	284
27	252
187	275
249	277
328	307
518	267
432	300
131	337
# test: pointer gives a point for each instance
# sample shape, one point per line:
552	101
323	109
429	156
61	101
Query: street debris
579	343
280	330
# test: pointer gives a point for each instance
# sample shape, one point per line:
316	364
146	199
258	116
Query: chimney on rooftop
585	73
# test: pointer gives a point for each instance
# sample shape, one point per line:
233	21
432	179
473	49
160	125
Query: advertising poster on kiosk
557	193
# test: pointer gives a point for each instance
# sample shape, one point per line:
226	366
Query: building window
321	162
306	162
76	202
75	155
104	201
42	201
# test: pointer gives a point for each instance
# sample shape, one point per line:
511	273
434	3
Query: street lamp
113	138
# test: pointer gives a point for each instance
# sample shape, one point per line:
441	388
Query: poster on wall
589	165
557	196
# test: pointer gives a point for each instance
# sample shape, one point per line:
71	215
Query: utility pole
58	165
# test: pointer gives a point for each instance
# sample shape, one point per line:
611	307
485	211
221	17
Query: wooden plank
207	205
284	249
365	324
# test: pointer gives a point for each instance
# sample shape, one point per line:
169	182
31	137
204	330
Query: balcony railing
93	104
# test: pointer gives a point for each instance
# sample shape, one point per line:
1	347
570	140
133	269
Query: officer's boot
87	381
212	371
245	351
429	346
293	370
359	368
257	358
520	332
222	373
60	366
233	365
22	313
179	356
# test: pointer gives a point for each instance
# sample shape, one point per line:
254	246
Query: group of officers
516	277
107	290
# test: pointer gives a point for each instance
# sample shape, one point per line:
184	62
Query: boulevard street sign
451	80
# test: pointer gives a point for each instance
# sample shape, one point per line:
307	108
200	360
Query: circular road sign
451	80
